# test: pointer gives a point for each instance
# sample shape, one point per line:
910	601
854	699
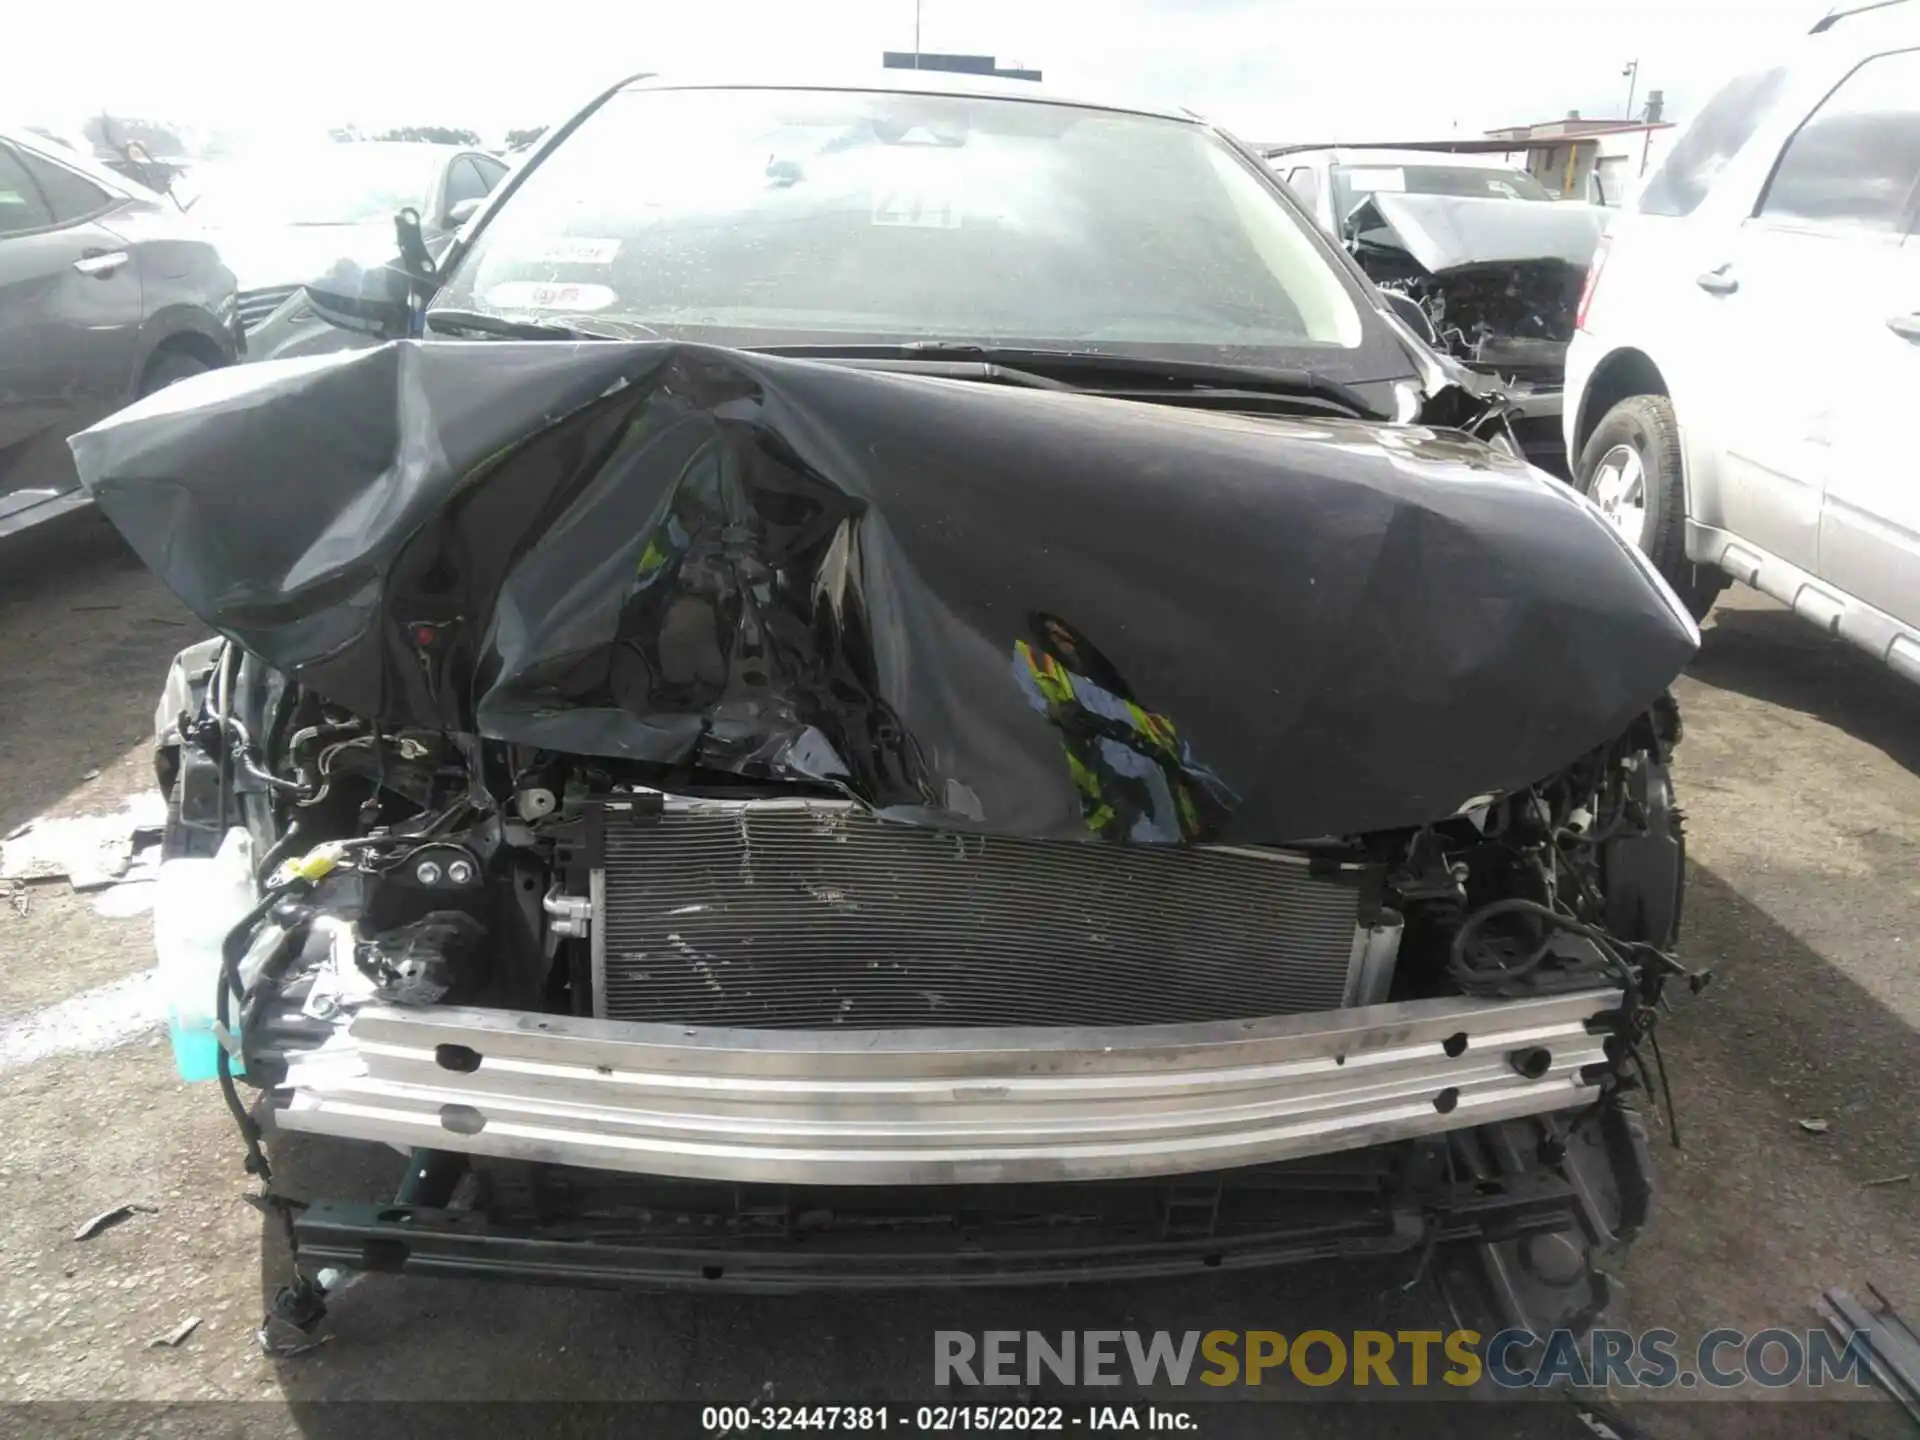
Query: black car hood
1031	613
1449	232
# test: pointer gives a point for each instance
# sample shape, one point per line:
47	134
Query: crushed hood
1448	232
1025	612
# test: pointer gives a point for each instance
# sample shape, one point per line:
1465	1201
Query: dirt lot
1801	778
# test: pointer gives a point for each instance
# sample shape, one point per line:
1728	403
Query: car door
464	182
70	312
1870	501
1810	267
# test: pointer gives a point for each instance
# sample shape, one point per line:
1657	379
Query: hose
1473	976
232	950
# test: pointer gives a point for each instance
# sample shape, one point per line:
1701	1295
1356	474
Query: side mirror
379	299
1411	311
465	210
374	301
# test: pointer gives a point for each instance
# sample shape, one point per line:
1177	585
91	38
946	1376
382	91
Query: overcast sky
1269	69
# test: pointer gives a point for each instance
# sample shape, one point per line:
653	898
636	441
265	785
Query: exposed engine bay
413	932
1499	280
1513	320
648	798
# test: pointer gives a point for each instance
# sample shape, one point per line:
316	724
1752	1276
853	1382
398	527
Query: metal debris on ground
283	1341
91	775
88	851
174	1336
1899	1179
1813	1127
107	1219
19	898
1893	1350
1607	1424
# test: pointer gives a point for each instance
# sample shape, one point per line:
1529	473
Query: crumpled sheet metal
1025	612
1451	232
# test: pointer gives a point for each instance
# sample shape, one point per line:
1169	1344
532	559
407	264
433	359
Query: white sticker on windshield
571	250
922	208
1376	178
546	295
921	188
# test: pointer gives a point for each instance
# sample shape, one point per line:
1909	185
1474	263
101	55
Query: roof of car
53	148
424	147
912	82
1381	155
1854	13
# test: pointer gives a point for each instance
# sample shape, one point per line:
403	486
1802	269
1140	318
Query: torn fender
1031	613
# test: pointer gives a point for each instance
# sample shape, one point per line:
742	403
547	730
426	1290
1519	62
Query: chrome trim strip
939	1106
597	938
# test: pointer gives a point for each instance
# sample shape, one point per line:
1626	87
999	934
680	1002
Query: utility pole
1632	72
916	34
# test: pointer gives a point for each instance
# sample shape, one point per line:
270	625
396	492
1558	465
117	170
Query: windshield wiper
1086	369
479	322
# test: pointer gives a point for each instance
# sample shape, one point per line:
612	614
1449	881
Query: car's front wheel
1631	469
168	367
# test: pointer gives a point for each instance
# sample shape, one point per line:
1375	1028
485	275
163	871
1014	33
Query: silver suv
1739	390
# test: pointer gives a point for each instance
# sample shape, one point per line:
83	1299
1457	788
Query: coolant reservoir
199	901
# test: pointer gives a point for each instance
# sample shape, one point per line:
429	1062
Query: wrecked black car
937	695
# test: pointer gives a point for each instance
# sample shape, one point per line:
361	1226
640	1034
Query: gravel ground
1800	774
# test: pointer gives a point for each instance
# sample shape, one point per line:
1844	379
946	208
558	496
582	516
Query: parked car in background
1742	387
106	294
282	216
1492	261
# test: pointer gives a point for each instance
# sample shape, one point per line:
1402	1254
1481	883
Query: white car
1741	386
1488	264
281	216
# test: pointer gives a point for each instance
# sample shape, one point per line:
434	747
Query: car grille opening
819	915
257	305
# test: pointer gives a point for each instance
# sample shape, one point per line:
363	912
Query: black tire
168	367
1645	425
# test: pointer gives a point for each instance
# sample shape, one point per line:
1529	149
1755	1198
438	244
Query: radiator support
816	914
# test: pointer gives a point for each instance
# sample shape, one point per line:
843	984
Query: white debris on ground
90	852
134	893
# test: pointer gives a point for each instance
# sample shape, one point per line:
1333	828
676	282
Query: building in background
1599	160
1602	162
962	64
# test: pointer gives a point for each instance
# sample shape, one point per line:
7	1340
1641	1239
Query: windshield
342	184
751	215
1352	183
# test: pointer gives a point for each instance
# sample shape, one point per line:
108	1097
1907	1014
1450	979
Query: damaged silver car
938	694
1482	258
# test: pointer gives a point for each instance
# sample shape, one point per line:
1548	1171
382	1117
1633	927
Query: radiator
812	914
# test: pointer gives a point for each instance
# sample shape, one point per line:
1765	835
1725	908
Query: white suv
1744	385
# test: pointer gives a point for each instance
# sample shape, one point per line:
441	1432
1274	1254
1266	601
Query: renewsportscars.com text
1413	1359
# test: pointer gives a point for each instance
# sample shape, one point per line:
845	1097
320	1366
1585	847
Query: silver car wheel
1619	488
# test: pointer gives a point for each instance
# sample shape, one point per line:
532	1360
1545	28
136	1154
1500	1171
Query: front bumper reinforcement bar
923	1107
